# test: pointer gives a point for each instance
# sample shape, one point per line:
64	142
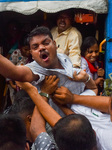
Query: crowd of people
57	103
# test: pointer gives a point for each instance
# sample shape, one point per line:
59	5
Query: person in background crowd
68	39
89	60
20	56
12	133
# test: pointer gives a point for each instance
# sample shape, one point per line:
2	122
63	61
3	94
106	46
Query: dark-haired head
12	133
74	132
87	43
39	31
23	106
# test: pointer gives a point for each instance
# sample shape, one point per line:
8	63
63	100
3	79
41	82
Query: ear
29	118
54	42
27	147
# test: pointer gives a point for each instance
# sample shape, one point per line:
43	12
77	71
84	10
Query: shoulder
63	56
32	64
73	29
83	60
54	29
74	32
84	64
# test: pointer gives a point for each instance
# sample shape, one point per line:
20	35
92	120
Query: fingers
75	74
60	90
58	101
52	79
100	72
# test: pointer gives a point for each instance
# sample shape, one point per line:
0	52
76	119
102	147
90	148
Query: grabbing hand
81	77
25	85
50	84
100	72
63	96
99	81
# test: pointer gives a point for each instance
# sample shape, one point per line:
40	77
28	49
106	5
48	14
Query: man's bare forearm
45	109
16	73
7	68
91	85
100	103
64	96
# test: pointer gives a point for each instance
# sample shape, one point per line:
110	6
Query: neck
57	65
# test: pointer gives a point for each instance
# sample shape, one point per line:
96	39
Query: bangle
88	79
44	94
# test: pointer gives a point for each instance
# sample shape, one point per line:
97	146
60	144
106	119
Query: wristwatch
44	94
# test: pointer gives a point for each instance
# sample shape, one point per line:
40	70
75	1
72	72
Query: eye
90	51
46	43
34	47
96	51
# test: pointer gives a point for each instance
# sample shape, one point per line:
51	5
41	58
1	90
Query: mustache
44	53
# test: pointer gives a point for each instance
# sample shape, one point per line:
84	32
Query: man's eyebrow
45	40
35	44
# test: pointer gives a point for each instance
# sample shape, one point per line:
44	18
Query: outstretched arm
64	96
50	115
38	132
16	73
37	124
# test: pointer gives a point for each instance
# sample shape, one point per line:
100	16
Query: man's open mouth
62	24
44	55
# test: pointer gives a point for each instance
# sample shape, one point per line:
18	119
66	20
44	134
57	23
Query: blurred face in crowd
63	22
92	53
25	50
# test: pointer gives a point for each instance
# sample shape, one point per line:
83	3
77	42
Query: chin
92	62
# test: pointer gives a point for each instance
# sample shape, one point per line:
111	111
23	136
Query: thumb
74	74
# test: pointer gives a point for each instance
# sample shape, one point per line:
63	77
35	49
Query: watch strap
44	94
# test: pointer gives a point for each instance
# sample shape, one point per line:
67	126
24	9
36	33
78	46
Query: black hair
87	43
23	40
22	106
69	12
39	31
74	132
12	133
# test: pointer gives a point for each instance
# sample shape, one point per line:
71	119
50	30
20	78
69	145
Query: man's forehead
39	38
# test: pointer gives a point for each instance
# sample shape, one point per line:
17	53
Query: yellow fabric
69	42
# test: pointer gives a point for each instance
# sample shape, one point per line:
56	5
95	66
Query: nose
41	47
94	54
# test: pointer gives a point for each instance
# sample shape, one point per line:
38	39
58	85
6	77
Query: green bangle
44	94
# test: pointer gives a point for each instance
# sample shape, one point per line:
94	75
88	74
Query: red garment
92	68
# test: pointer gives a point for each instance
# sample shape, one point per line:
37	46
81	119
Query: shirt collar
65	32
